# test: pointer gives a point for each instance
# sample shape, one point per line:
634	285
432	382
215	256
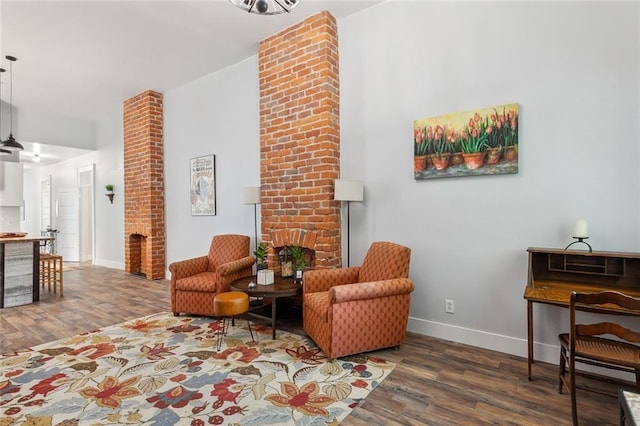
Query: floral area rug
165	370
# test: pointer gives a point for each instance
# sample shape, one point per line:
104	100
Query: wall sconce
348	190
581	234
109	193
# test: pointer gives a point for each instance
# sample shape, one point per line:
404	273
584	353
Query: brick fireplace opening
144	186
300	140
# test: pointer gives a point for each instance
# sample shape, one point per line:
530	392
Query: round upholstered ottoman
227	306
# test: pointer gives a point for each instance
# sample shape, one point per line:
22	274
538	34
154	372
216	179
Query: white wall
109	232
217	114
574	70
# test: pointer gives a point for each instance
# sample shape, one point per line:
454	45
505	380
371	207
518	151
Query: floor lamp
252	196
348	190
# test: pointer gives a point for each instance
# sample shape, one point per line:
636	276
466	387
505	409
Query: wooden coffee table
282	287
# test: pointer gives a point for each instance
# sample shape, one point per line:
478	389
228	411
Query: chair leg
562	366
572	389
250	331
221	334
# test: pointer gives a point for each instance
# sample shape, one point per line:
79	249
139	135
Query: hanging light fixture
266	7
11	144
2	151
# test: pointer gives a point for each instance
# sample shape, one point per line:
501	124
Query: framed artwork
483	141
203	186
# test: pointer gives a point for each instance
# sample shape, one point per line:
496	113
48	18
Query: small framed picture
203	185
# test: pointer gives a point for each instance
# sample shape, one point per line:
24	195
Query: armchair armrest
370	290
234	270
188	267
318	280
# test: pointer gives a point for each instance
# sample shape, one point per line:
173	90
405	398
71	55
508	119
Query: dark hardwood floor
435	382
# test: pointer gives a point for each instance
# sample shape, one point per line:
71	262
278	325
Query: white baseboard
109	264
511	345
482	339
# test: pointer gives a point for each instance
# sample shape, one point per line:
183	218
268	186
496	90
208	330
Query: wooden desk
555	273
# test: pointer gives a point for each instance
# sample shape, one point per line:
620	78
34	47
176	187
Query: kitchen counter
23	239
20	270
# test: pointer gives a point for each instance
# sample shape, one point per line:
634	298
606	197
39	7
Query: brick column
144	185
300	134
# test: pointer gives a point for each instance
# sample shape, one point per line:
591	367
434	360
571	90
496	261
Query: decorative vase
510	153
474	160
456	159
419	163
440	161
493	155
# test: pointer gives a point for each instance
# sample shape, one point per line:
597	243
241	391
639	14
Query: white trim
496	342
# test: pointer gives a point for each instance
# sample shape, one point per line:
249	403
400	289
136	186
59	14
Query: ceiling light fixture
266	7
11	144
2	151
36	158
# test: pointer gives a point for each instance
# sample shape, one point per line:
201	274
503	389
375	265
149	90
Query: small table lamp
580	234
252	196
348	190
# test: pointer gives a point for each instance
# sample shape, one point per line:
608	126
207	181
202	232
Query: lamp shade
348	190
252	195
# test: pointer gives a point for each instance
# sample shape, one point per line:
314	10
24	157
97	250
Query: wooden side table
282	287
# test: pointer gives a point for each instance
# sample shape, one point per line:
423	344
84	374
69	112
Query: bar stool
51	271
228	305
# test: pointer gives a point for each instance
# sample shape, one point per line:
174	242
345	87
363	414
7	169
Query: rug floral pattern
165	370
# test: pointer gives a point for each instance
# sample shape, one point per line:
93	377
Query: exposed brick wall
144	185
300	135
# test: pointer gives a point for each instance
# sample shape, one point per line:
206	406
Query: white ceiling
81	58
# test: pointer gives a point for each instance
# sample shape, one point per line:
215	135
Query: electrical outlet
448	306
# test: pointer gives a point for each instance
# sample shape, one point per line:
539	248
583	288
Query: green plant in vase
421	143
109	188
473	138
260	253
438	140
299	262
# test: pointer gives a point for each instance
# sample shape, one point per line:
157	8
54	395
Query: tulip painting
486	138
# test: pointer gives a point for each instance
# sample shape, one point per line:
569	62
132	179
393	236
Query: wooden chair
51	271
584	342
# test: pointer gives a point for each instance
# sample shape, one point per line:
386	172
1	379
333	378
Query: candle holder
580	240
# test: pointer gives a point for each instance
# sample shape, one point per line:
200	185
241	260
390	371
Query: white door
68	239
86	218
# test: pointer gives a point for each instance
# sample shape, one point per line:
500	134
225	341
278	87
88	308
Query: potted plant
473	140
261	256
109	194
299	262
420	149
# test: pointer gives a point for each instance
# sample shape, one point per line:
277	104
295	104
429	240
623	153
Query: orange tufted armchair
195	282
351	310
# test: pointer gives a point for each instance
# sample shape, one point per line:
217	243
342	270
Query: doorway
75	218
86	213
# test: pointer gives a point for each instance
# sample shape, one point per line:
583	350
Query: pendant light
11	144
2	151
